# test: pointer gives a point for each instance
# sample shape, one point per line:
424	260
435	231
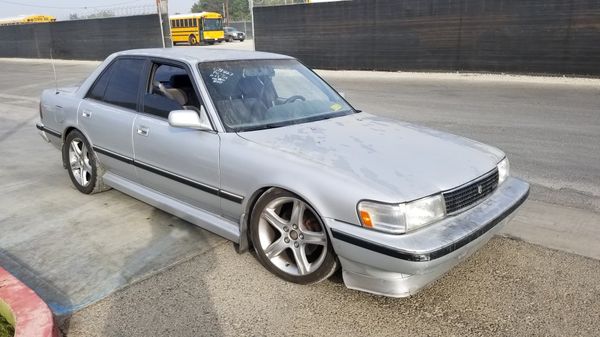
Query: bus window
195	23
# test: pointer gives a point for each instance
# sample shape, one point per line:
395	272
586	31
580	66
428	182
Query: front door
178	162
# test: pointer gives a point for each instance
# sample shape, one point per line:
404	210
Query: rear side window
119	84
97	91
124	84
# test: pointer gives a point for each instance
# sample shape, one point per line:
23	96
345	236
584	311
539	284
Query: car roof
203	54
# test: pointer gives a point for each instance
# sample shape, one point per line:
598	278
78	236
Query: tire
82	164
290	239
192	40
229	39
211	42
242	40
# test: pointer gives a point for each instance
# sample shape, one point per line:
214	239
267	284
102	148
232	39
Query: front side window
170	89
213	24
259	94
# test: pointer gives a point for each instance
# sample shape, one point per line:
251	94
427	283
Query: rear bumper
401	265
49	135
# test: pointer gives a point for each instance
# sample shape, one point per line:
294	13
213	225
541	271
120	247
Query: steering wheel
163	90
293	98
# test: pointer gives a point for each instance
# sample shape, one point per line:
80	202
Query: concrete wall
523	36
92	39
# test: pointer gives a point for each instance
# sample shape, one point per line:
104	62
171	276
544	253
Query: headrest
179	95
180	80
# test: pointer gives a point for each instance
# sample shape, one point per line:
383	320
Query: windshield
213	24
259	94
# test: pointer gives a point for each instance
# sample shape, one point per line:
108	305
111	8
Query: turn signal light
366	219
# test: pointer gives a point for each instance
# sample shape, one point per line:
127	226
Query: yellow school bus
196	28
24	19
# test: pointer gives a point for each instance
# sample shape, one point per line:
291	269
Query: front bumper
401	265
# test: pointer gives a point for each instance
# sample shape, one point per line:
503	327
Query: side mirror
190	119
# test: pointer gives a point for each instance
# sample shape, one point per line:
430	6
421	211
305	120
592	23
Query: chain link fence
96	13
263	3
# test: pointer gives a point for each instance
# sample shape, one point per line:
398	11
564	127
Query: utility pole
162	9
226	10
251	4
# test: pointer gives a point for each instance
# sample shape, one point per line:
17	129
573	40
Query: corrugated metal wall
522	36
92	39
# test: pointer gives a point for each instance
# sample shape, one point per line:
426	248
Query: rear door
178	162
107	113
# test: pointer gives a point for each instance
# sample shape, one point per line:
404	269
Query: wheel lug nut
285	228
296	244
286	240
294	226
301	236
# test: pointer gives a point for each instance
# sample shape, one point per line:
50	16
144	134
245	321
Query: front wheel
81	163
192	40
290	239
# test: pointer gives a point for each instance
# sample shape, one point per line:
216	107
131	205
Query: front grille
471	193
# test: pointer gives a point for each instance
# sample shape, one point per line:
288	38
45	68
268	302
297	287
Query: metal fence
97	13
263	3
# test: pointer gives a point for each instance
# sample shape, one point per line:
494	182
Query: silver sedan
257	148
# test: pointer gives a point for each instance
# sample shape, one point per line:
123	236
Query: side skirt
198	217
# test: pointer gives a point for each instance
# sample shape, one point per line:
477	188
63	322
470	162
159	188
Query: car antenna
54	71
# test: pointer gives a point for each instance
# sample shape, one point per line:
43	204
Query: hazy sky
62	8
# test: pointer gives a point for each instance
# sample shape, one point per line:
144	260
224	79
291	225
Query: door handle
86	114
143	131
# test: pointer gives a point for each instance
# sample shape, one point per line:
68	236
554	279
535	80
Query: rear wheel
290	239
82	164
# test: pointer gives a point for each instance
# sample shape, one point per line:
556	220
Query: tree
238	9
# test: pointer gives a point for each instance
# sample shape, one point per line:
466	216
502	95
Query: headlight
503	170
401	218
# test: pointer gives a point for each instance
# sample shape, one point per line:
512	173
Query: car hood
402	160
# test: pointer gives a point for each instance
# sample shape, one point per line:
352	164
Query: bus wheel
193	40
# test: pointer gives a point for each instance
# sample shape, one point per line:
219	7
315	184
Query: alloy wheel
292	236
79	162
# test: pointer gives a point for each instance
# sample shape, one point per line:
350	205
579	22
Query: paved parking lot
177	280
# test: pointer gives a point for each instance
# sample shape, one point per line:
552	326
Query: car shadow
150	302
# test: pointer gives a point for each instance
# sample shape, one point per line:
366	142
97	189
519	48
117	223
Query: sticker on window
335	106
220	75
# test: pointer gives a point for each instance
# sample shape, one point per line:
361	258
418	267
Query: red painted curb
33	317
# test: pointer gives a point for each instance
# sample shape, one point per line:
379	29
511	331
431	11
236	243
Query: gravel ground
509	288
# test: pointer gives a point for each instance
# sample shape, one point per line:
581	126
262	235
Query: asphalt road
550	129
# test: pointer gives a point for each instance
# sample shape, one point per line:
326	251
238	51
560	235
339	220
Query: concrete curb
23	308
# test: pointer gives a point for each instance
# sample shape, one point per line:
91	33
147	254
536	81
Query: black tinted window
98	89
124	83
